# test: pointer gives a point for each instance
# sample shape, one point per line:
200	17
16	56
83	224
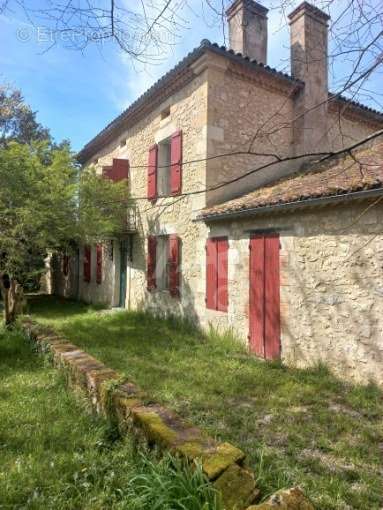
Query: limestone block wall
92	291
173	215
245	113
64	285
345	128
331	263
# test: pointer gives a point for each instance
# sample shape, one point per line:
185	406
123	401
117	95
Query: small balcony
129	226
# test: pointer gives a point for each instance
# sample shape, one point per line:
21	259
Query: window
122	143
163	172
163	263
217	273
165	167
87	263
162	268
98	263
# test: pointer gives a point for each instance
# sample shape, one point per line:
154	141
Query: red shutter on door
152	172
174	265
222	274
107	172
87	263
151	262
120	169
211	274
66	265
257	297
98	263
272	297
176	163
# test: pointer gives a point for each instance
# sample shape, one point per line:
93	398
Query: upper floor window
163	172
165	167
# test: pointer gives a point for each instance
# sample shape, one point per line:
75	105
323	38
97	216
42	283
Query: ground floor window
163	263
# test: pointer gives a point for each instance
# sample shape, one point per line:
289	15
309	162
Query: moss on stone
225	455
237	488
192	449
289	499
154	426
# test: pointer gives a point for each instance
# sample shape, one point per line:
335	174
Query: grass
298	427
54	455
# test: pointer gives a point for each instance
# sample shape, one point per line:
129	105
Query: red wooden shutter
120	169
87	263
107	172
176	163
174	265
152	172
272	297
222	274
211	274
257	297
151	261
264	306
66	265
98	263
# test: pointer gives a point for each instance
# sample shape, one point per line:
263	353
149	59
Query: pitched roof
120	123
359	171
139	107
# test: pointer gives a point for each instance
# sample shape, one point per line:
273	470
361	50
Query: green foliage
54	455
298	427
17	120
46	204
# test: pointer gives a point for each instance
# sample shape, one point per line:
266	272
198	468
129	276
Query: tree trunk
14	301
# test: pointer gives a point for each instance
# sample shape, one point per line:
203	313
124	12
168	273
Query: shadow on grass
301	427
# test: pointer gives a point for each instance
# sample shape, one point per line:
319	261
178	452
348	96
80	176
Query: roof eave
107	134
291	206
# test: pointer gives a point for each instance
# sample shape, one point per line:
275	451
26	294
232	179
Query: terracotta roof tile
363	171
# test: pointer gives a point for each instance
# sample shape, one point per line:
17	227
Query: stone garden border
133	411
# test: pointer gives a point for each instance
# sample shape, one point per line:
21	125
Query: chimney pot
309	39
247	21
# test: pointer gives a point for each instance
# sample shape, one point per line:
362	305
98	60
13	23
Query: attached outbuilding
305	265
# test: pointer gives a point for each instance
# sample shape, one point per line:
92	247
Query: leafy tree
17	120
46	205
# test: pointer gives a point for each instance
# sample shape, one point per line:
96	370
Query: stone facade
331	263
331	299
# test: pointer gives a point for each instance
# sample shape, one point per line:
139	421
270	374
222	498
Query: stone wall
218	112
126	405
331	262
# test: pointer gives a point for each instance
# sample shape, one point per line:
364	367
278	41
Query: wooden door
264	301
123	271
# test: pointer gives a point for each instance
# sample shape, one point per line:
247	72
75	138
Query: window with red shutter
176	163
87	263
217	273
174	265
152	172
211	274
151	263
98	263
120	169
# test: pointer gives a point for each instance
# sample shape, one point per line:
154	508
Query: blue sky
76	94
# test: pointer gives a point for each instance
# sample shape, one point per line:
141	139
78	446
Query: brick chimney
248	29
309	36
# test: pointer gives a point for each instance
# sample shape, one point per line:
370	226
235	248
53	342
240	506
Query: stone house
234	225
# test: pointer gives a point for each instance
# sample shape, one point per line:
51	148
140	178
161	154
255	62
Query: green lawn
297	427
55	455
